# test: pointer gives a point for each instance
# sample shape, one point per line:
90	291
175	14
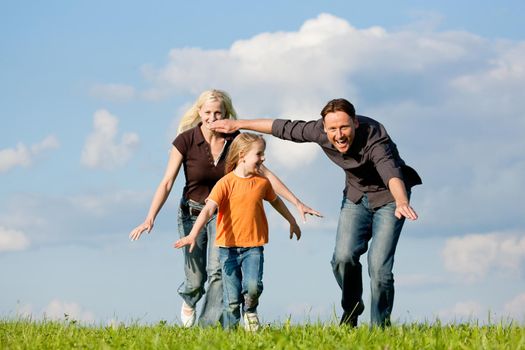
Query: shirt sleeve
218	192
383	153
270	194
298	130
181	143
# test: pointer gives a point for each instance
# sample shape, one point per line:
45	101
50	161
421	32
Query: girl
242	228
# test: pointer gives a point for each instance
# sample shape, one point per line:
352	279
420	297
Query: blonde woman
202	153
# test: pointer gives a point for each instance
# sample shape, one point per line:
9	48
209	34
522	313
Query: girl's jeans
201	264
358	225
242	280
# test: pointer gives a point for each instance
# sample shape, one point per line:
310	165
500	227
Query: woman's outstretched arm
161	194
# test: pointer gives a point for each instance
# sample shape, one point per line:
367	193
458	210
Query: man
376	198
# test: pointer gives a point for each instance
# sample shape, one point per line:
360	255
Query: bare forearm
403	208
159	198
398	190
282	209
279	187
166	184
260	125
204	216
229	125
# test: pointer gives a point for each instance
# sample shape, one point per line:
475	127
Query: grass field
24	334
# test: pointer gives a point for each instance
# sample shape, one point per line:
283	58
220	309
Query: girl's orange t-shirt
241	221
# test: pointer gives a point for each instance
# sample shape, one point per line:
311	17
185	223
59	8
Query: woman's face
211	111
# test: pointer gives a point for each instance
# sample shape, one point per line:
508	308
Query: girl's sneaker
251	321
187	320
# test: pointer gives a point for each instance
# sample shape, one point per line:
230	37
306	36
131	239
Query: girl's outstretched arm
283	191
279	205
205	215
161	194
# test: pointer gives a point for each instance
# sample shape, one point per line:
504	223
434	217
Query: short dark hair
339	104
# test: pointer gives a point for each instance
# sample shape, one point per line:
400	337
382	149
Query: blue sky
91	93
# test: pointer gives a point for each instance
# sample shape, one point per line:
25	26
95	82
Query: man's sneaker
350	317
251	321
187	320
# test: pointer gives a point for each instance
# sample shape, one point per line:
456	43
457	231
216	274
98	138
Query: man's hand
404	209
226	126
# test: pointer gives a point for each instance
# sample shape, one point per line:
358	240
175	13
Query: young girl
242	228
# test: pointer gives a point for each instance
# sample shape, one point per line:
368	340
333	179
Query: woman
202	152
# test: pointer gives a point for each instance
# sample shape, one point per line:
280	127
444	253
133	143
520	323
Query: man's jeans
203	262
358	224
242	280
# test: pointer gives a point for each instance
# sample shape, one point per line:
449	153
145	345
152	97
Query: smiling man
375	203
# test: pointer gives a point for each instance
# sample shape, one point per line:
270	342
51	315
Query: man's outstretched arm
228	126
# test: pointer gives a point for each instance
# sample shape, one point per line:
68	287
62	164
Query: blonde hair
191	118
239	147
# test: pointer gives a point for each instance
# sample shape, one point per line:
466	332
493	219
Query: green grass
26	334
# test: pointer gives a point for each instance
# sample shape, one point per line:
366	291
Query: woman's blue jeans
358	225
242	280
201	264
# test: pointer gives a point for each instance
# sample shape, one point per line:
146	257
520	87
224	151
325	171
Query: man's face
340	129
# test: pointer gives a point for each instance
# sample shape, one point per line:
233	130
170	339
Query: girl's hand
188	240
294	228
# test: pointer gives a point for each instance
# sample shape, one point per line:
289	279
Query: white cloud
452	101
473	256
291	155
9	158
515	308
49	143
45	219
101	149
418	280
24	155
462	312
308	312
24	311
113	92
57	310
61	310
13	240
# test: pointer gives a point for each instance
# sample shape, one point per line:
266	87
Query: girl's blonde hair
191	118
239	147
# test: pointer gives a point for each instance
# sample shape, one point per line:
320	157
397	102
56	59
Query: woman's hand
306	210
137	231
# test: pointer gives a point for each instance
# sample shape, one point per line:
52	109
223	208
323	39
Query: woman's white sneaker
187	318
251	321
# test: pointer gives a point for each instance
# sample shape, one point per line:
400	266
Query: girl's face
254	158
211	111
